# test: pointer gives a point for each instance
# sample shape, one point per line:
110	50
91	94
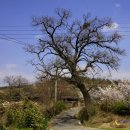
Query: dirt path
67	121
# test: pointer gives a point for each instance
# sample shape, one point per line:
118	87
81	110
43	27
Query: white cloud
117	5
123	75
38	36
10	66
113	27
10	69
120	74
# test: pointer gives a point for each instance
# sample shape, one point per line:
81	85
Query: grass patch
117	129
108	121
19	128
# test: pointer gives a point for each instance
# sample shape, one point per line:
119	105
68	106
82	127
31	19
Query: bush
15	96
14	115
117	107
49	112
32	117
55	109
20	129
25	116
59	107
1	126
83	115
2	110
106	106
121	108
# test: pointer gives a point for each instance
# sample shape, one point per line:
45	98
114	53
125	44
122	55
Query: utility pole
56	84
56	80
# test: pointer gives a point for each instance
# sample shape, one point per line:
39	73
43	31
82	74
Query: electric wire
5	37
8	32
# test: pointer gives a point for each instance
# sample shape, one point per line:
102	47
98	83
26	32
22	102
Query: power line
33	34
14	40
41	31
25	38
20	30
19	34
10	40
5	37
30	25
11	27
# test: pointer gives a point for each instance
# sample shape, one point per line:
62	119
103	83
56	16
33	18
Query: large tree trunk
87	99
75	80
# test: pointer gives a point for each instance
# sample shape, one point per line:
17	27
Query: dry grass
108	120
117	129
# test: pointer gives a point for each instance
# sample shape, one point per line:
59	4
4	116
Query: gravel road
67	121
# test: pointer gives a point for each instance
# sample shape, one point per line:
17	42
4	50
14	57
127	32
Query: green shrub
83	115
15	96
12	128
49	112
121	108
25	116
32	117
2	110
106	106
55	109
14	115
93	111
116	107
1	126
59	107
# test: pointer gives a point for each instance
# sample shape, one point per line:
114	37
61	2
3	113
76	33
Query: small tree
20	81
81	46
10	81
15	81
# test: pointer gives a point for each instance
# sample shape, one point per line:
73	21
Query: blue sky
17	15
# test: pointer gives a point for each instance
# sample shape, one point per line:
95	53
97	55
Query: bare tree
15	81
20	82
81	45
10	81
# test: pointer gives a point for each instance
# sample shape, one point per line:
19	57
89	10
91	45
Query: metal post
56	83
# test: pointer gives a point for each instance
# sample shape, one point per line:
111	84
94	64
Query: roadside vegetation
36	105
28	115
110	108
68	59
117	129
30	108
